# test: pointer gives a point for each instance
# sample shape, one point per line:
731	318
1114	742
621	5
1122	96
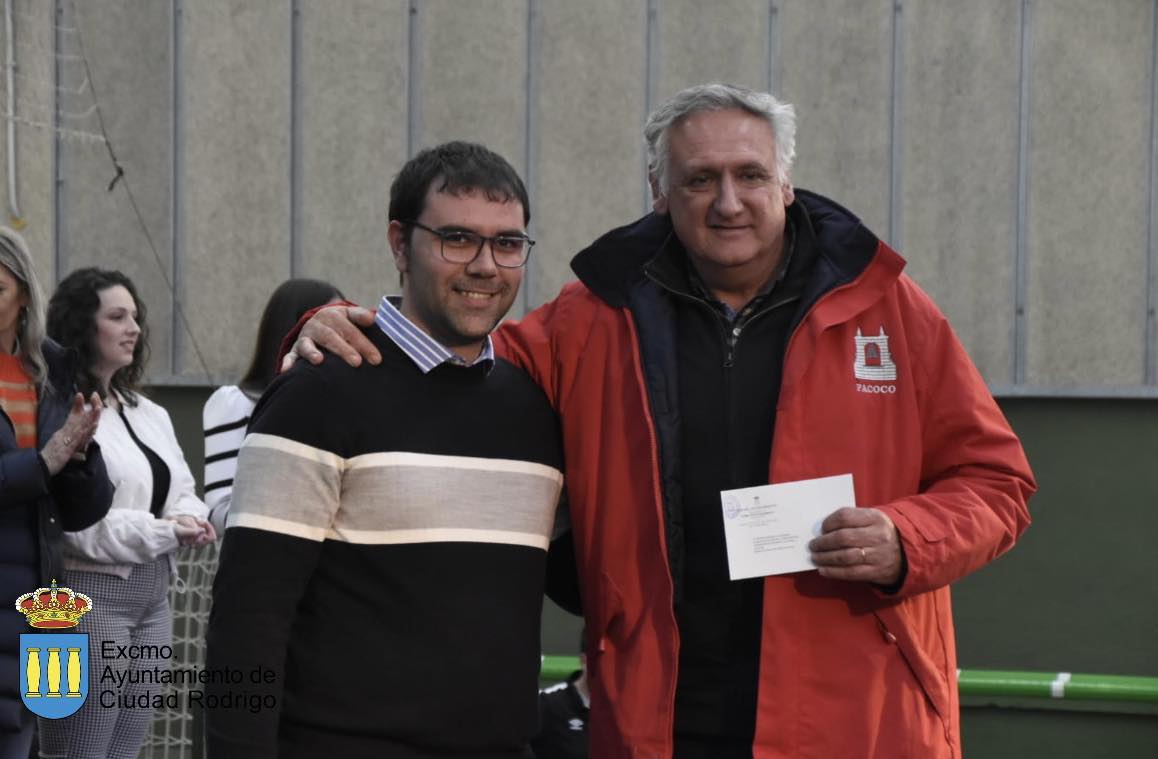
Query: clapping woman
51	477
125	561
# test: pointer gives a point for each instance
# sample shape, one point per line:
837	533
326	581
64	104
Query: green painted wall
1078	594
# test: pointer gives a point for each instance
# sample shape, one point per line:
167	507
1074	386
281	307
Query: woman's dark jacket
34	510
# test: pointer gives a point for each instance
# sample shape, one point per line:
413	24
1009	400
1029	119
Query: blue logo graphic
53	673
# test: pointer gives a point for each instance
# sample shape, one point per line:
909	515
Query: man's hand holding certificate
768	528
809	524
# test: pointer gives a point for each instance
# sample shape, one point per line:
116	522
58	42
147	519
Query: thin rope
122	178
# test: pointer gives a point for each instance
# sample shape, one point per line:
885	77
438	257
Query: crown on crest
53	608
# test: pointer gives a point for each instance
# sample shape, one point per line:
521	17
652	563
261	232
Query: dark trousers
17	744
700	748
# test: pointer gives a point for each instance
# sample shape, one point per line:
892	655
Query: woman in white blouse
125	561
226	413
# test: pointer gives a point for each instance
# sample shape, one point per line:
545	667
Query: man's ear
396	234
658	197
788	193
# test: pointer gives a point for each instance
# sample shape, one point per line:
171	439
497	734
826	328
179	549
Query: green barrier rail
1063	685
558	668
991	683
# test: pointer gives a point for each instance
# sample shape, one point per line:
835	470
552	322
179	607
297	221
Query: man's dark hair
72	323
289	301
458	167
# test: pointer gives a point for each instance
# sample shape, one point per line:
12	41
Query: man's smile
480	295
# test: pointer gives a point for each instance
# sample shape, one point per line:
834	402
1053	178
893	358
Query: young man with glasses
401	513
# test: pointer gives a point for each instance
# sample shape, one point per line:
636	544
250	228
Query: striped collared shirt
423	350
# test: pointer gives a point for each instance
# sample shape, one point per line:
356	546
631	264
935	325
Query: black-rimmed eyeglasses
460	246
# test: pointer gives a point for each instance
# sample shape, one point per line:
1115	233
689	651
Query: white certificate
768	528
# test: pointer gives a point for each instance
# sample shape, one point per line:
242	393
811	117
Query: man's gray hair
30	329
719	97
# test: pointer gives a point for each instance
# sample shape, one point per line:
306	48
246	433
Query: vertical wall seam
896	120
295	127
1150	349
531	140
772	49
650	76
176	217
57	146
413	77
1021	252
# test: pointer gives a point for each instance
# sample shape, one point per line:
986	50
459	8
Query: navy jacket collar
612	265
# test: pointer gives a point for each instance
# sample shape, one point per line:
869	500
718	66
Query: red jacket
846	671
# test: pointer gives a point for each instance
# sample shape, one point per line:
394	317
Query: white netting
174	730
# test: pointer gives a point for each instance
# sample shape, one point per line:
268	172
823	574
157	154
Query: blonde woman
52	476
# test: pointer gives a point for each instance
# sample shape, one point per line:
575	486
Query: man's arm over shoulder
332	327
975	478
284	499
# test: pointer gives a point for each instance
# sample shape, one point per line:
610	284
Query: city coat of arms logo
53	666
873	361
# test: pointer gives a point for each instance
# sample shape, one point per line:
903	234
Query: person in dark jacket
563	711
52	476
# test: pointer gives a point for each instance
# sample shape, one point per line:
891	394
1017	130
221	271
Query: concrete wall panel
1088	205
473	74
236	214
127	46
836	59
590	108
562	89
33	87
723	41
353	88
960	168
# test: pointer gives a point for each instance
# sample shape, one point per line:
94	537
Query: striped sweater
224	419
384	560
18	399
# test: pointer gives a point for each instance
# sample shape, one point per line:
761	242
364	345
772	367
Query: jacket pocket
930	530
927	675
608	613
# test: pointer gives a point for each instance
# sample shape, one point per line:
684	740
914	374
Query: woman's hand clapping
72	439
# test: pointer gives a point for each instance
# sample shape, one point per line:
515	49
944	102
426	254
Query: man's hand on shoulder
335	329
859	544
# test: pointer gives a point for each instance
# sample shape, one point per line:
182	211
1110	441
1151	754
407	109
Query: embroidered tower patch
873	361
